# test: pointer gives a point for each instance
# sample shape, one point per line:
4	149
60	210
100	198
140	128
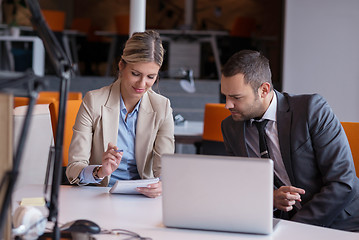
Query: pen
119	150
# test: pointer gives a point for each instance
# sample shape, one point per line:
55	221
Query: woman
122	130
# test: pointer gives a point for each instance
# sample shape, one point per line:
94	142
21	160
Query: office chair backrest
122	24
23	101
56	95
46	97
81	24
352	131
212	139
36	150
55	19
243	27
71	112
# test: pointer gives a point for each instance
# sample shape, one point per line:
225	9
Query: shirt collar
271	113
123	107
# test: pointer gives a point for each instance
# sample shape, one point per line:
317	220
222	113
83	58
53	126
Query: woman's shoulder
98	95
157	98
153	101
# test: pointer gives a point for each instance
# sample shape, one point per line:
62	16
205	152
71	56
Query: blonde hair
144	47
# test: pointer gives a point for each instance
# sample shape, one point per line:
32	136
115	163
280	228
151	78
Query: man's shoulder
229	123
295	100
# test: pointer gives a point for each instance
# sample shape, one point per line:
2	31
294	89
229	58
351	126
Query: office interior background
312	45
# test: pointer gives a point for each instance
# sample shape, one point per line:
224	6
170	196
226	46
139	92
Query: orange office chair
243	27
352	131
55	19
22	101
72	108
56	95
212	139
46	97
122	24
82	24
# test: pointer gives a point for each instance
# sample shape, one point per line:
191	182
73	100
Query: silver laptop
218	193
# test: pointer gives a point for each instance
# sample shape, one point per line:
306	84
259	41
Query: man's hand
285	197
110	161
152	190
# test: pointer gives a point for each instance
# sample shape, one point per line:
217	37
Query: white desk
38	53
144	216
190	132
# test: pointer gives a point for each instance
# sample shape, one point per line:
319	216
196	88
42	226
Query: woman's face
137	78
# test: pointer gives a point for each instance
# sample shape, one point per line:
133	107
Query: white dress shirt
271	131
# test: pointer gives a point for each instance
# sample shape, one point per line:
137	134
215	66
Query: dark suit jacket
317	158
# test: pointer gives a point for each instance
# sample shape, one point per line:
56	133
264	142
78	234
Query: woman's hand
110	161
152	190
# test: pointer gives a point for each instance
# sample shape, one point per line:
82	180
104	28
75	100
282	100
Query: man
312	158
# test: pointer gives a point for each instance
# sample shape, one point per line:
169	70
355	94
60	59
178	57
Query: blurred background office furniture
50	101
47	97
23	101
212	139
70	117
55	19
118	39
76	39
56	95
36	58
184	48
56	22
188	132
39	139
352	131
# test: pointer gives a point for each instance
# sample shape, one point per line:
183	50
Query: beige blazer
97	124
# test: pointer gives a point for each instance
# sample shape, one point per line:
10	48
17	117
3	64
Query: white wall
321	52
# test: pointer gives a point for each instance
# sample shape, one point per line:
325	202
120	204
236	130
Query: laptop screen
218	193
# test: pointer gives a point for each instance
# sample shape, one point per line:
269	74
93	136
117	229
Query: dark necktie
263	147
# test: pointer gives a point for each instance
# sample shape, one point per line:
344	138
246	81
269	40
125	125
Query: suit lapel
110	116
284	122
144	130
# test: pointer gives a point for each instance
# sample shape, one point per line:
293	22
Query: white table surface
189	128
190	132
144	216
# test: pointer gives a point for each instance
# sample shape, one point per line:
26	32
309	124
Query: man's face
241	100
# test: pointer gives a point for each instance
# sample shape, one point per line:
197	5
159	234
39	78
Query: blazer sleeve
164	143
81	142
326	156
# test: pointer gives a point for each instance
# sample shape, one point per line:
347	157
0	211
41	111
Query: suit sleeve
331	164
226	137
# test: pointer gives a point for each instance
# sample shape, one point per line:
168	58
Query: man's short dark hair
252	64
